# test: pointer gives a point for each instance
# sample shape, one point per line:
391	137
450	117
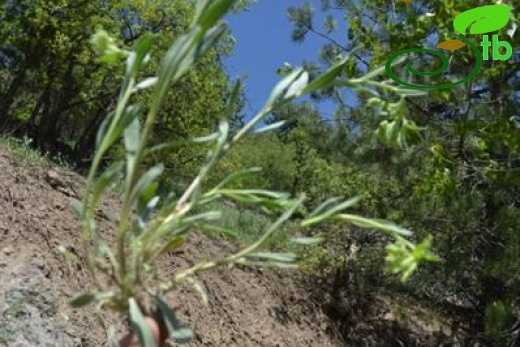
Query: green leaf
202	7
199	288
103	128
77	207
297	86
237	175
174	244
110	215
146	83
378	224
254	193
410	92
326	79
181	56
270	127
213	12
132	133
207	216
284	84
109	176
147	201
376	72
148	194
307	241
485	19
82	299
277	257
142	329
328	212
323	206
131	112
211	37
234	95
146	180
178	331
141	48
208	138
213	229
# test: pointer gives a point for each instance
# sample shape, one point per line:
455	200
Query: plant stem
203	266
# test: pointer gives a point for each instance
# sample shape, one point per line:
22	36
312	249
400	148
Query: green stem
203	266
89	210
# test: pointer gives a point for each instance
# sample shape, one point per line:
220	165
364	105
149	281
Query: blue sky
264	43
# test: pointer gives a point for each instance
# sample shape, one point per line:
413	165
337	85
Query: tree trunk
7	100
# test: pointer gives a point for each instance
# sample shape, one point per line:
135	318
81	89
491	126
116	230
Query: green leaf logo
483	19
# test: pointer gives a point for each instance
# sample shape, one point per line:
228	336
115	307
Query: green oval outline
388	66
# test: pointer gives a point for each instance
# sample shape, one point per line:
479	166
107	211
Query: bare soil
246	307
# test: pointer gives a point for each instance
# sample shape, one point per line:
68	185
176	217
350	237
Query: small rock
8	250
40	265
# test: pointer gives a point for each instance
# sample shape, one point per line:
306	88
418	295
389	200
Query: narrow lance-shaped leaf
324	205
410	92
213	12
177	331
82	299
140	49
145	180
196	47
106	138
307	241
142	329
173	244
237	175
297	86
105	180
181	56
208	138
147	201
325	79
329	212
270	127
199	288
213	229
234	95
283	84
277	257
146	83
103	128
378	224
131	145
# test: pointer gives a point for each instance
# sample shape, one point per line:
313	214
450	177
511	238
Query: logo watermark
480	20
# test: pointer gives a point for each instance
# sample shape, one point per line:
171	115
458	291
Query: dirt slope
247	308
